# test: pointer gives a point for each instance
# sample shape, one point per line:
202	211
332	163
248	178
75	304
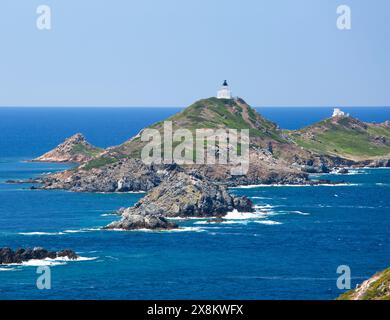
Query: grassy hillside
209	113
376	288
345	137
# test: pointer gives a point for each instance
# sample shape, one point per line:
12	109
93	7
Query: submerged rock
8	256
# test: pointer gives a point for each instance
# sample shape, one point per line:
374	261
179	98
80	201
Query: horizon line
181	107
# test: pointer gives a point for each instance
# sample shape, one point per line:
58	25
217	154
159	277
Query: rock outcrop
181	195
375	288
74	149
9	256
125	175
134	221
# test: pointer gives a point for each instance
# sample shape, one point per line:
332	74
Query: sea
297	245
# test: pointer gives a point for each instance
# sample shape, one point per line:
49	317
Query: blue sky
173	52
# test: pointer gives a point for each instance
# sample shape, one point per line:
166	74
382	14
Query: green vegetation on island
375	288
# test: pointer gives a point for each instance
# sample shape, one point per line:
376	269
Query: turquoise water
290	249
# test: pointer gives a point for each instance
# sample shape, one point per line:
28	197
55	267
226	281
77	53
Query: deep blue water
289	250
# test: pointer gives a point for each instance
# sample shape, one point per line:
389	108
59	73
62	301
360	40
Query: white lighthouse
224	92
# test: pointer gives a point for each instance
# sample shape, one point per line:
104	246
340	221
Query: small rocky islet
276	156
9	256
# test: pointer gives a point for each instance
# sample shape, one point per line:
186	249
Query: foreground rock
73	149
137	221
375	288
8	256
180	195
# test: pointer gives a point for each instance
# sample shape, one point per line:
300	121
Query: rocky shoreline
9	256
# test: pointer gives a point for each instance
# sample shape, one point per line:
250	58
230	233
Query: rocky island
180	195
74	149
9	256
200	190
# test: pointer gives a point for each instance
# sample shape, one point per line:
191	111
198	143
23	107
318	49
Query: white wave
261	198
235	222
186	229
296	185
37	233
66	259
222	222
83	230
299	212
235	215
266	207
267	222
44	262
50	262
7	269
189	218
350	173
180	229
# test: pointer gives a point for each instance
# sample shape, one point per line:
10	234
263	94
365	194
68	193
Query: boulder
137	221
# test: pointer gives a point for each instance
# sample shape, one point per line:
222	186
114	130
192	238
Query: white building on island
338	113
224	92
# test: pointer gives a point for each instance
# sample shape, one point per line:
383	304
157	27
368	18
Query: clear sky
173	52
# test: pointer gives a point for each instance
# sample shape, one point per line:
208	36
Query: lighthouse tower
224	92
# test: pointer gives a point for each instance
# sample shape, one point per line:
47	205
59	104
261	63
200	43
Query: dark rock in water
137	221
67	253
315	169
37	180
8	256
343	171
